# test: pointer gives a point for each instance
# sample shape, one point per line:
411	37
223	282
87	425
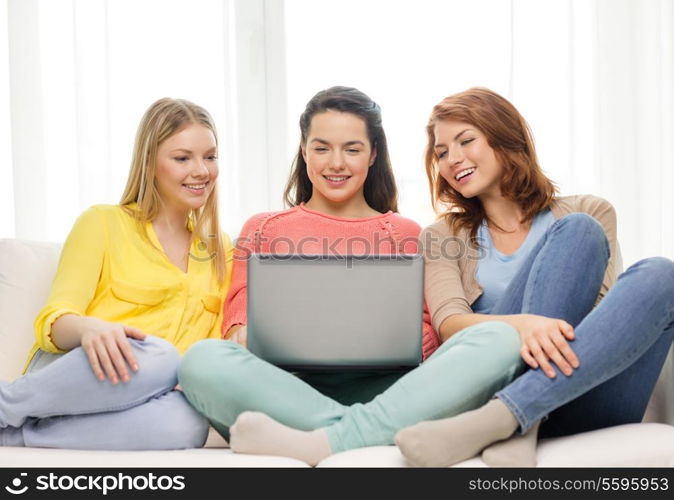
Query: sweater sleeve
76	278
605	214
235	304
409	243
442	284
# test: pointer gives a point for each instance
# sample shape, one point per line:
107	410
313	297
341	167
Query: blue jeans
621	344
59	403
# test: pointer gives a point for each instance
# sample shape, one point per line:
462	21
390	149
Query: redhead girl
341	191
507	248
137	283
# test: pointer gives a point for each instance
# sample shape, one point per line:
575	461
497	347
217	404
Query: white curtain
594	78
77	76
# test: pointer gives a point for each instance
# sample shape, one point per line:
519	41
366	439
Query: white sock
518	451
258	434
441	443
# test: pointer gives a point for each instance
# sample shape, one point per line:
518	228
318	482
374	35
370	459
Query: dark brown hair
509	136
380	188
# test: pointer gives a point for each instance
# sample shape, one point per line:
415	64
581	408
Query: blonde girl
137	283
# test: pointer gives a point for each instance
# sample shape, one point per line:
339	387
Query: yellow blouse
108	270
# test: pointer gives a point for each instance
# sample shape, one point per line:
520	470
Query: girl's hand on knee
544	340
109	351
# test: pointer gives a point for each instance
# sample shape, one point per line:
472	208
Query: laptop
323	313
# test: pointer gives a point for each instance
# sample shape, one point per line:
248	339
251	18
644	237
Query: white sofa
26	272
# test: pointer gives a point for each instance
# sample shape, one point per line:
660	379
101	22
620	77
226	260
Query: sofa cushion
26	273
661	405
49	458
632	445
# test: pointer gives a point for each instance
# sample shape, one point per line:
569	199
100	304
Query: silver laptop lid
330	312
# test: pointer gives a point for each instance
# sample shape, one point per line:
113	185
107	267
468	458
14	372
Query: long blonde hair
164	118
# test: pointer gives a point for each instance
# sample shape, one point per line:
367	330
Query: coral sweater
300	230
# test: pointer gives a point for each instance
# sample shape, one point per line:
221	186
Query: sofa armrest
661	406
27	270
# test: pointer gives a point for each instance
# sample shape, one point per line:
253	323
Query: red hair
509	136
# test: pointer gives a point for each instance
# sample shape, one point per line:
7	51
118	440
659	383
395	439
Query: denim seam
525	425
534	279
661	326
126	406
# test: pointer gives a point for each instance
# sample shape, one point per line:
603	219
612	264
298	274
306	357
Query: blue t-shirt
495	270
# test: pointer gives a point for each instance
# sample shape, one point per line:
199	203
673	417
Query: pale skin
460	146
186	161
338	155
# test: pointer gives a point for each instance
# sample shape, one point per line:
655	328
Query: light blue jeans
59	403
621	344
222	379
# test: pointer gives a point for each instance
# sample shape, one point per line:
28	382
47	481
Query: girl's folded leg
254	403
636	315
573	256
620	400
460	376
290	418
162	423
634	320
68	386
222	379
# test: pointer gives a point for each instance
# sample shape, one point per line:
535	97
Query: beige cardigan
451	263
